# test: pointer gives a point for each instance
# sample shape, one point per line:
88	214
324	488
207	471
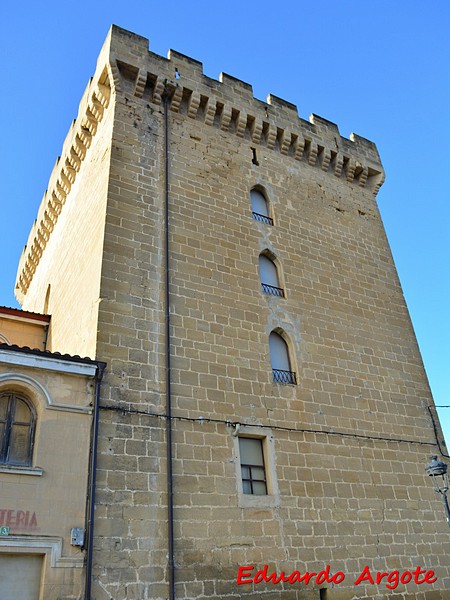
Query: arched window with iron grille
280	360
260	207
268	273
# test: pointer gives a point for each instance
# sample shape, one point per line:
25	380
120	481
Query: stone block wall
345	448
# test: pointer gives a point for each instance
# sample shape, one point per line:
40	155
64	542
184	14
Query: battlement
125	65
229	104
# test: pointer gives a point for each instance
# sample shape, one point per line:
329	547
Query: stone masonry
344	449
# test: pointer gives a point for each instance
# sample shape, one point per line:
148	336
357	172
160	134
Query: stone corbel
36	250
103	94
89	122
256	131
60	193
271	136
141	80
225	118
53	216
241	124
362	179
73	159
69	172
338	165
114	74
194	103
312	154
285	142
175	101
47	222
31	261
64	182
85	137
40	236
56	204
378	184
326	158
96	108
210	111
350	170
158	90
299	148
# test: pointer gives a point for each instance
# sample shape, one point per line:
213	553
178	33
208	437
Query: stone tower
268	407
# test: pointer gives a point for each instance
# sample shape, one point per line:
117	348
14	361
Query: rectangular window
253	471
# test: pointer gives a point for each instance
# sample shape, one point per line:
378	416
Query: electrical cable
231	423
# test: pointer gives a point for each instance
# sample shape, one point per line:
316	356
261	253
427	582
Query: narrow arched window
280	360
268	274
47	299
260	208
17	426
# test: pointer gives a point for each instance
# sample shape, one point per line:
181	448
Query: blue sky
379	69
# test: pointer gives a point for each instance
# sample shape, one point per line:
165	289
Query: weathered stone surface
340	500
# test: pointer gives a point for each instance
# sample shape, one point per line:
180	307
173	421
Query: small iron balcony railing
272	290
262	218
280	376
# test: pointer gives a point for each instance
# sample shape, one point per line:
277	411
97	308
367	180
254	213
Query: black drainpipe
91	483
167	336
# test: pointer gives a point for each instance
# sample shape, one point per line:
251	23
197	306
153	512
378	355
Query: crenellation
226	89
323	125
134	43
63	176
364	144
184	67
237	85
288	108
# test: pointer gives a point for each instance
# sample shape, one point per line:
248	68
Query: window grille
280	360
262	218
268	274
260	208
280	376
272	290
